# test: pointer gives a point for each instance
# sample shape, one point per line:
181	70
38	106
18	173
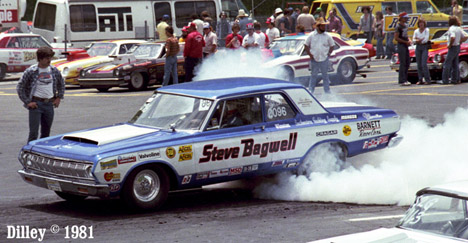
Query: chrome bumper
414	66
64	185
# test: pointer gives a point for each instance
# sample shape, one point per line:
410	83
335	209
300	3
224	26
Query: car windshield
437	214
444	37
101	49
286	47
173	111
146	51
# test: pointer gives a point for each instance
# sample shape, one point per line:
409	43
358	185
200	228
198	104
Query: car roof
458	189
225	87
16	34
121	41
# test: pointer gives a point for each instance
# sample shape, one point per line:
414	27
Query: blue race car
199	133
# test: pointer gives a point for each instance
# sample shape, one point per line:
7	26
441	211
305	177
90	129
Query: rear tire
70	197
463	66
146	188
2	71
346	71
289	74
138	81
325	157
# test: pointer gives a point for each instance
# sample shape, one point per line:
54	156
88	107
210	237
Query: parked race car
345	60
141	67
18	51
199	133
99	52
439	214
435	63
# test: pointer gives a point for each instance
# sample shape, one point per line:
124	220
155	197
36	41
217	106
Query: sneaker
441	82
405	83
377	57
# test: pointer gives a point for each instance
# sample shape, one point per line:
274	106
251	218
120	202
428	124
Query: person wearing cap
234	40
184	34
243	20
272	32
170	65
335	24
223	29
278	15
306	19
211	40
401	36
161	28
319	13
319	45
193	51
251	39
366	22
455	37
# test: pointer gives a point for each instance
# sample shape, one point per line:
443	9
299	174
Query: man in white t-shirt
322	44
272	32
455	36
211	40
41	88
251	38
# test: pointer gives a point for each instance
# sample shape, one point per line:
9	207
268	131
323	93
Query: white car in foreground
438	215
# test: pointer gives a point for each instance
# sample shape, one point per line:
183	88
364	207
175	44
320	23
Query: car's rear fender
341	143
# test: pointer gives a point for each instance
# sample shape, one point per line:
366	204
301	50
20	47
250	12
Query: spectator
223	29
278	15
234	40
390	36
379	35
193	51
184	34
285	23
421	39
41	88
455	36
457	10
300	29
161	27
251	39
322	44
366	22
243	19
211	40
293	17
205	16
401	36
170	66
306	19
263	40
198	22
335	24
272	32
319	13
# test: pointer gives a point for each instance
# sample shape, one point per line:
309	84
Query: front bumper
64	185
414	67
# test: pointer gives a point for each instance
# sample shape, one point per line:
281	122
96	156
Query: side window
424	7
45	16
83	18
13	43
404	7
124	48
161	9
277	108
389	4
236	112
184	11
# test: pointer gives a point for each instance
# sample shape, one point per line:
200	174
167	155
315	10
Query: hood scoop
108	135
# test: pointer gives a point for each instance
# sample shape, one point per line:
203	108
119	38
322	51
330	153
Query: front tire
146	188
138	81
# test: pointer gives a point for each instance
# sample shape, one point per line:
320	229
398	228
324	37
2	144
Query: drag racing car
345	60
439	214
204	132
99	52
141	67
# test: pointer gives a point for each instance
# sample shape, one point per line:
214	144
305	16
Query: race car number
277	112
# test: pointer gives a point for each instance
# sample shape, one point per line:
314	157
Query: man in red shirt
193	51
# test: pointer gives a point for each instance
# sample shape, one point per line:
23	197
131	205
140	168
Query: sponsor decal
235	171
370	117
185	149
111	176
302	123
326	133
170	152
277	163
250	148
28	56
149	155
126	159
250	168
368	128
186	179
203	175
185	156
109	164
319	120
218	173
305	102
333	119
114	187
346	130
280	126
348	117
375	142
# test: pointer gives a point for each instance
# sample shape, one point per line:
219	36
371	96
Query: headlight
116	72
23	157
65	71
394	59
437	58
82	73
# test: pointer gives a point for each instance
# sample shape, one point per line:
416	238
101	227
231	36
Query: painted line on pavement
377	218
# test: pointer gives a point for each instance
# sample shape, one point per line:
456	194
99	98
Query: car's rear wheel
325	157
288	74
346	71
138	81
70	197
146	188
463	67
2	71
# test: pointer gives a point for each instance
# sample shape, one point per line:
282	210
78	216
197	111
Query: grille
58	166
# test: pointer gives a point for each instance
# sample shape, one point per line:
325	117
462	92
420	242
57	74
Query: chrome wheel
463	67
146	185
347	71
137	81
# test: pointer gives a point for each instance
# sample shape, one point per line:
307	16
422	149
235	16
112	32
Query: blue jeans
403	55
421	60
43	115
389	46
451	65
170	68
380	50
315	67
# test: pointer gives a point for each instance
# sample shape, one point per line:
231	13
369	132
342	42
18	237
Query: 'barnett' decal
212	153
368	128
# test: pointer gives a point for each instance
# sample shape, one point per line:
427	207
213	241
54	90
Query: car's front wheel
463	67
138	81
325	157
146	188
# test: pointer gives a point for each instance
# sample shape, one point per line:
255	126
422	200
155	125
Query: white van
83	21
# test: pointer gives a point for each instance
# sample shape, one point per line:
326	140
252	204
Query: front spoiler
64	185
